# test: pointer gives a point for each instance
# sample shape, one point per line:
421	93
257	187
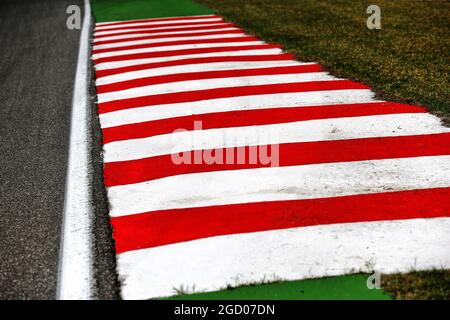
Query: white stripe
199	67
177	47
280	183
163	40
231	82
111	32
75	269
391	125
235	53
281	100
156	23
154	19
290	254
130	36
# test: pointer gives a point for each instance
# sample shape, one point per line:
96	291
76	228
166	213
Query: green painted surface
115	10
351	287
344	287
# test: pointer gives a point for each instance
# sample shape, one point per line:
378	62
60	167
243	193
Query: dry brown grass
406	61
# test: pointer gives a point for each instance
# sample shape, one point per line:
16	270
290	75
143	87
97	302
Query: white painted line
168	19
199	67
152	29
256	102
280	183
213	83
234	53
162	40
289	254
75	269
387	125
150	23
130	36
162	48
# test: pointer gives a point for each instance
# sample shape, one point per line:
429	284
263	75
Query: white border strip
75	269
288	254
313	181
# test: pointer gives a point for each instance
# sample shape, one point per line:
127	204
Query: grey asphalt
38	57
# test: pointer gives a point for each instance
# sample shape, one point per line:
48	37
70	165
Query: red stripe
156	20
159	228
241	118
159	25
168	78
152	31
217	93
271	57
172	53
162	36
290	154
175	43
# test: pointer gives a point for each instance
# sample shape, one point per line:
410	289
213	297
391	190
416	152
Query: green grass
416	285
352	287
115	10
406	61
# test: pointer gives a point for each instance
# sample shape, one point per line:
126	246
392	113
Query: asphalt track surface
37	69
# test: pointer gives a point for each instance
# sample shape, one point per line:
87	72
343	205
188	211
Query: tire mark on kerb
75	265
